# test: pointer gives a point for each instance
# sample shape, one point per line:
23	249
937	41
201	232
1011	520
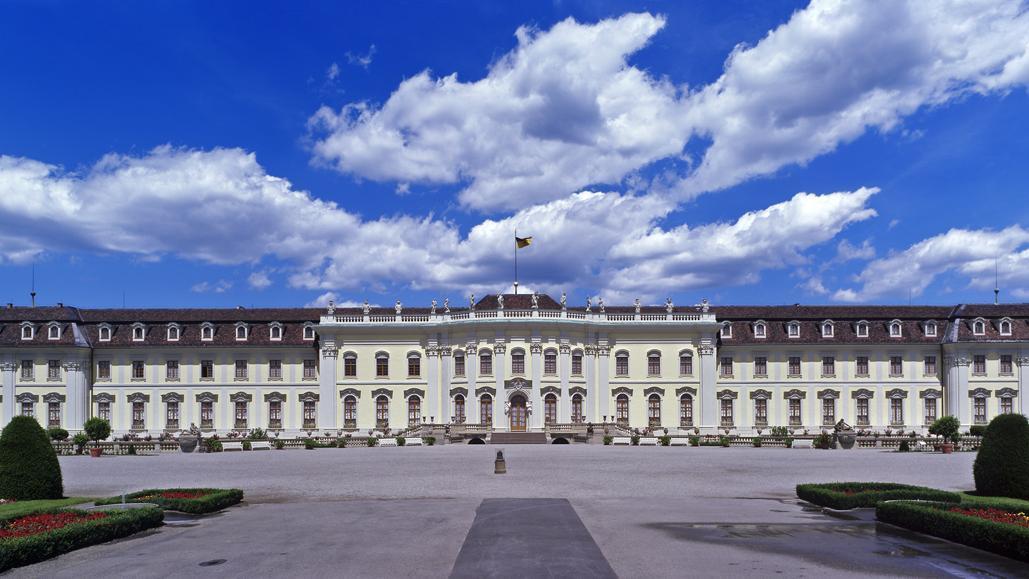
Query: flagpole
516	262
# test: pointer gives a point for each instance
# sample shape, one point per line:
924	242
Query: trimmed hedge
20	551
215	500
28	463
934	519
1002	466
868	494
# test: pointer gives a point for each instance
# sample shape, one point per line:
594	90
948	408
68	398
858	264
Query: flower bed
27	539
853	495
192	501
972	524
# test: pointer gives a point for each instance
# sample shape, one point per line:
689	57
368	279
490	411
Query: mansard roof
187	315
517	302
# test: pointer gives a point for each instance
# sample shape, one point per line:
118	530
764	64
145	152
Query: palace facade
512	363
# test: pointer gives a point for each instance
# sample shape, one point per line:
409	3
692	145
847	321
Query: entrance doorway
519	416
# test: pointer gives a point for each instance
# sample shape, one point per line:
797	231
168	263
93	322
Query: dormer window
241	332
930	329
979	327
727	330
54	332
862	329
895	329
275	332
793	329
28	331
138	333
105	333
308	332
1005	327
760	330
173	333
827	329
206	332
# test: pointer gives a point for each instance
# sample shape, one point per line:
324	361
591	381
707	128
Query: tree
1002	467
29	469
947	427
97	429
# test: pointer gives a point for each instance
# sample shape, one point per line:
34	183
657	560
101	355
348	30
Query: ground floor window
896	411
207	414
862	411
622	409
930	410
138	415
550	409
654	411
727	418
761	411
794	412
1006	406
458	409
275	414
414	411
27	409
486	409
979	407
241	415
310	414
686	410
171	421
828	411
53	414
350	412
381	412
103	410
577	416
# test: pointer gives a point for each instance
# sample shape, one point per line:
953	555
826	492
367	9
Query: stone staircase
518	438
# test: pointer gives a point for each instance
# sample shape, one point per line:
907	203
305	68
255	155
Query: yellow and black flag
521	242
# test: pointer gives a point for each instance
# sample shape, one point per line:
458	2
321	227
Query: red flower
996	515
42	523
183	494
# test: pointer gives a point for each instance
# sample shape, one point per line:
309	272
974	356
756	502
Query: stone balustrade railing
512	314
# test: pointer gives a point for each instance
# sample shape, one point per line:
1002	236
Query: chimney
10	306
60	304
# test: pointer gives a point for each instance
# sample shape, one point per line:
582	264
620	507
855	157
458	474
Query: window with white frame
310	409
726	412
895	330
459	412
622	364
793	329
28	331
242	369
486	409
1006	405
896	411
517	362
726	367
686	364
350	365
793	366
105	334
622	409
103	410
171	420
53	414
308	332
381	412
28	408
1005	328
760	366
577	415
929	409
350	412
861	365
978	327
138	333
550	363
862	329
206	414
103	370
207	369
241	332
760	330
173	333
27	370
138	415
794	411
929	365
760	411
54	332
827	329
310	370
414	365
459	364
979	364
53	370
550	409
930	329
138	370
862	412
653	410
727	330
241	408
686	410
577	363
979	410
828	366
171	370
486	363
828	411
654	364
207	333
382	365
1005	364
896	366
275	369
275	333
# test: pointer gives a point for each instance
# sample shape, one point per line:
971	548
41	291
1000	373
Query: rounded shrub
57	433
1002	467
28	464
97	429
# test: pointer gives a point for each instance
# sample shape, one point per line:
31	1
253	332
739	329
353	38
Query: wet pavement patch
529	538
212	562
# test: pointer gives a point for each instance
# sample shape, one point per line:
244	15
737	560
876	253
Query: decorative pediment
931	393
382	392
310	396
518	384
274	396
654	390
794	394
760	394
207	397
979	393
550	390
26	397
350	392
486	390
1006	393
414	392
459	390
897	393
828	394
138	397
103	397
241	397
622	390
728	395
686	390
862	393
577	390
172	397
54	397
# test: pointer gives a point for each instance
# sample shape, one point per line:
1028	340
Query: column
708	387
592	404
564	404
471	369
328	401
7	370
432	394
499	419
446	371
956	392
1023	386
603	381
536	351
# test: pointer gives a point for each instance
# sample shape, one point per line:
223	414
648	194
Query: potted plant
96	429
946	428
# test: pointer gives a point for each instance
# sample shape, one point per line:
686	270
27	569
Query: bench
680	441
387	442
228	446
648	441
413	441
260	445
803	443
621	440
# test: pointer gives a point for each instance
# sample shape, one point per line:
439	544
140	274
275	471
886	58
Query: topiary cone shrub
28	464
1002	467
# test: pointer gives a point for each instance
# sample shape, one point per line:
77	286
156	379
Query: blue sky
197	154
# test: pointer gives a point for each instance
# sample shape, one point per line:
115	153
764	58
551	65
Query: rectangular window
550	363
1005	364
414	366
896	366
653	365
138	415
930	410
26	370
207	414
761	412
241	369
275	414
727	419
828	411
828	366
794	366
458	365
517	363
930	366
27	409
1006	407
350	366
310	414
53	414
896	411
486	364
686	411
686	365
862	366
241	415
862	411
577	364
103	370
726	367
103	410
138	370
310	370
794	412
979	405
621	365
979	364
207	370
172	370
381	366
53	370
172	415
275	369
760	366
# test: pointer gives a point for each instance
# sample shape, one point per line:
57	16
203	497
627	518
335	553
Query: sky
197	154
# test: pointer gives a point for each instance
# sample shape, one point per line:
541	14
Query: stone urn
845	435
188	443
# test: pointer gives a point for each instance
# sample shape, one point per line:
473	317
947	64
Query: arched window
894	329
241	332
622	409
382	412
793	329
137	333
827	329
207	333
727	329
654	410
173	333
577	416
486	363
686	410
459	409
517	362
275	332
414	365
1005	328
654	364
486	409
760	330
382	365
350	412
550	409
308	332
27	331
54	332
978	328
930	328
622	364
105	334
414	411
862	329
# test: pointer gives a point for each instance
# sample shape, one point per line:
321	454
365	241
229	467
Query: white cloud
846	251
332	73
564	109
362	60
972	253
814	285
259	280
219	287
323	300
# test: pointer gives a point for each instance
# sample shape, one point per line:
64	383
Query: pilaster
537	416
709	417
592	409
77	392
1023	385
432	394
564	403
7	370
956	391
446	370
471	370
499	368
604	381
328	400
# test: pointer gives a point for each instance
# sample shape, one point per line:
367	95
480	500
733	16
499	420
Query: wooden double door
519	414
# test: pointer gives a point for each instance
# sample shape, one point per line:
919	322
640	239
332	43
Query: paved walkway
571	511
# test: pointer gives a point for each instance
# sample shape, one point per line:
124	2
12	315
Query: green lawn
999	502
22	507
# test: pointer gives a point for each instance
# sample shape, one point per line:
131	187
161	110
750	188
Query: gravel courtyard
561	511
